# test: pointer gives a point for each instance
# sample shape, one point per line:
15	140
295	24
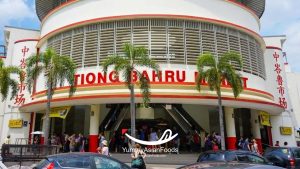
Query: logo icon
166	137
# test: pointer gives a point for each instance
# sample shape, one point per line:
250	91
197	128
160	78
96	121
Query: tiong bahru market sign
164	76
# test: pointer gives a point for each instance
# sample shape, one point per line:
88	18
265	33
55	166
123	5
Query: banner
264	118
60	112
17	123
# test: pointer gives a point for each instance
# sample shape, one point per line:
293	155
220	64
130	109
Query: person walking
138	156
7	140
246	145
254	147
104	150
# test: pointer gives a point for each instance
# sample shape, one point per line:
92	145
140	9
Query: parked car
233	155
80	160
2	166
228	165
288	157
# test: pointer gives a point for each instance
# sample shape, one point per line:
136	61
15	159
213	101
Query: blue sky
281	17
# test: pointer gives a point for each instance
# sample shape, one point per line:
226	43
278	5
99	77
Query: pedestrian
101	138
254	147
285	144
277	144
72	143
138	156
246	145
104	150
7	140
241	143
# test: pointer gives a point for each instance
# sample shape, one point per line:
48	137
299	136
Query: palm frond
129	51
229	57
206	60
206	63
32	74
4	85
33	60
1	63
234	79
14	87
145	88
111	60
128	76
147	62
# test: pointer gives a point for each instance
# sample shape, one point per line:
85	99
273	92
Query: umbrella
37	132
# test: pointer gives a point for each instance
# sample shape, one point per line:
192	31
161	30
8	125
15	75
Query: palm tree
6	82
214	73
57	70
127	64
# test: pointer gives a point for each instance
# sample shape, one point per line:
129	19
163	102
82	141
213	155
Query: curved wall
88	10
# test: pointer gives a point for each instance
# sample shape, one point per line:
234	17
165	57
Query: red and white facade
175	32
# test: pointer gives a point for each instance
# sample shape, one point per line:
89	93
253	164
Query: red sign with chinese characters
277	68
20	98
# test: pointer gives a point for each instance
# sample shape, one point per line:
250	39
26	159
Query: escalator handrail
191	120
113	115
179	113
120	118
184	127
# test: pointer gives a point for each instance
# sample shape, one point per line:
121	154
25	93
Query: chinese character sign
20	98
279	81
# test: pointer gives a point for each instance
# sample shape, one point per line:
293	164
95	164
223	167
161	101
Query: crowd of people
248	145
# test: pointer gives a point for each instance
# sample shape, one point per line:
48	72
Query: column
94	127
255	128
230	128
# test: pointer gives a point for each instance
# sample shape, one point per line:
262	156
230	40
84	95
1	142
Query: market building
175	32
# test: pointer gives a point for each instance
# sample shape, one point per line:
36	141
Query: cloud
15	11
283	17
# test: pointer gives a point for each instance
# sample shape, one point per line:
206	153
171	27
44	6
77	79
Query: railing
30	152
2	51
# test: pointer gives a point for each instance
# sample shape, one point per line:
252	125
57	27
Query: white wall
8	109
287	118
81	11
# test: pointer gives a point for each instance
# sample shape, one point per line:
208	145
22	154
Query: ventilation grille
167	41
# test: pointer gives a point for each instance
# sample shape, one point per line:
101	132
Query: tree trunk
47	118
132	112
221	121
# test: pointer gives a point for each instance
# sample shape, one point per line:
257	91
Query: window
212	157
297	153
77	162
105	163
249	158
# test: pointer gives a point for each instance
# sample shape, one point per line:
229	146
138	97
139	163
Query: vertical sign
279	81
20	98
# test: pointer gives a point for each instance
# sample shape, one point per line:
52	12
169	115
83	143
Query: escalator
188	117
182	118
111	117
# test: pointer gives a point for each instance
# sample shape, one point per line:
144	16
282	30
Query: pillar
255	128
94	127
230	128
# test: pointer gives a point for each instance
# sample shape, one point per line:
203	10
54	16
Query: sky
281	17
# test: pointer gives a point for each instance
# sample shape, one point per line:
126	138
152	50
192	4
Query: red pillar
231	143
259	144
93	143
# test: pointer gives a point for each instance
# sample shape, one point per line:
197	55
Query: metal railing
30	152
2	51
